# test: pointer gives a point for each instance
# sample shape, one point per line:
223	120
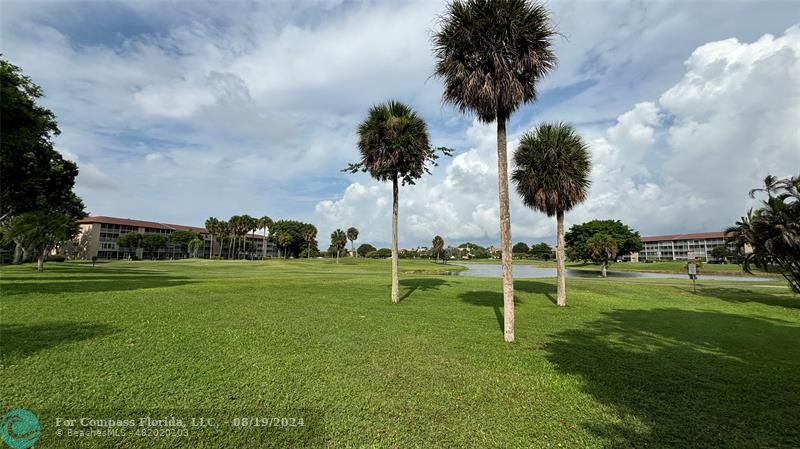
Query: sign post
692	268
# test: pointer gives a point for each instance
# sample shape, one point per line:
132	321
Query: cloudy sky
179	111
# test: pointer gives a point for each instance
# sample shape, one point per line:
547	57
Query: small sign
692	269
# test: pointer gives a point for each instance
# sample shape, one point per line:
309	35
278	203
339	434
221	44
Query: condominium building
680	246
98	238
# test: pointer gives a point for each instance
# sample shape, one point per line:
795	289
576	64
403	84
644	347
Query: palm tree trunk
395	276
561	282
264	246
337	257
308	250
505	231
604	270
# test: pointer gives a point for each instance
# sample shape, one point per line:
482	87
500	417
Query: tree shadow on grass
679	378
489	299
89	284
539	288
778	297
18	341
423	284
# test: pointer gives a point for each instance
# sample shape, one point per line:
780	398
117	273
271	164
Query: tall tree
552	176
352	235
773	231
541	251
602	248
575	239
438	244
264	223
36	177
520	248
212	226
154	243
394	146
181	239
309	234
338	241
491	54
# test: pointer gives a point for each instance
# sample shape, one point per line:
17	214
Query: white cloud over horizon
179	111
712	136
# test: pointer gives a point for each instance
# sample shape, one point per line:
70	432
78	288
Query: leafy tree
628	240
394	146
520	248
491	54
309	234
721	253
552	176
438	245
602	248
352	235
338	242
40	232
181	239
154	243
365	249
382	253
36	177
541	251
130	240
773	230
194	246
295	242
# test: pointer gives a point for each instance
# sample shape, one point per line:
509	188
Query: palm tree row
233	234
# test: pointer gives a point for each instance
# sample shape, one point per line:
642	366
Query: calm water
527	271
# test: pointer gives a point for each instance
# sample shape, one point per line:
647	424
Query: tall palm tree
338	241
352	235
212	226
249	225
603	248
264	223
490	55
394	146
552	176
438	244
309	234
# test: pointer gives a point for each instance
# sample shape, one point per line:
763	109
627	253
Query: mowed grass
669	266
629	364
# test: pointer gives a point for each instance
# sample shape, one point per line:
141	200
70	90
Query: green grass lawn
630	364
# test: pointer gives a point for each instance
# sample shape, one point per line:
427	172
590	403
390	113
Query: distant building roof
147	224
694	236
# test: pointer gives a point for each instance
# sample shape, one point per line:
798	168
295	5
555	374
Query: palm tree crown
553	166
491	53
393	142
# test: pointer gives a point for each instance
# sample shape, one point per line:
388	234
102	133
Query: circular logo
20	428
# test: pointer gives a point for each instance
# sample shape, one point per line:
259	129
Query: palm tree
212	226
438	244
309	234
552	176
394	146
772	231
338	241
264	223
603	248
490	55
284	240
249	225
352	235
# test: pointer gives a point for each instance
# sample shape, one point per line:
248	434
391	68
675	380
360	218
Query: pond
528	271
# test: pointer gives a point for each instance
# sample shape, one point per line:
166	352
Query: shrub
56	258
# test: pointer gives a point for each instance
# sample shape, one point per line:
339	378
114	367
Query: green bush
56	258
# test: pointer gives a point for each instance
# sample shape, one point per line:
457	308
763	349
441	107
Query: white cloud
681	163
